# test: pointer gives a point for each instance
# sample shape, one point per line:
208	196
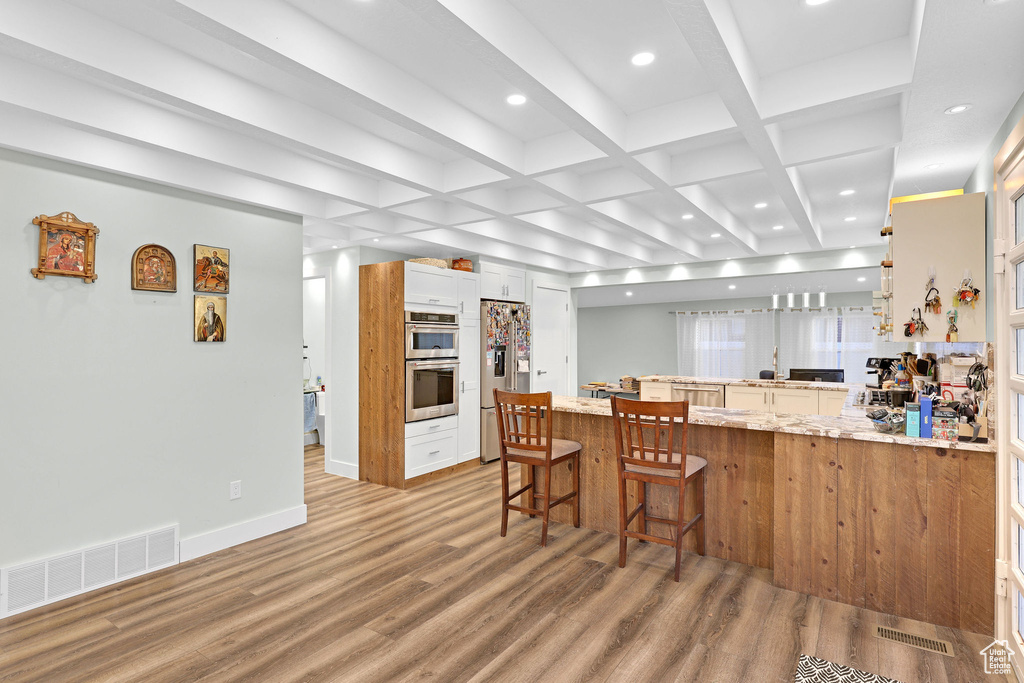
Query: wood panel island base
889	523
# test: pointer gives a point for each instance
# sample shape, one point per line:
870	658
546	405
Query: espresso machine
884	370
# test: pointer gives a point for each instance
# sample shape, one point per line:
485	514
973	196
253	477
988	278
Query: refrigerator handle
514	355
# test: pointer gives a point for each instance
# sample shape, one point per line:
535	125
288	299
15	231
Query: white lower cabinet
431	451
831	402
794	401
747	398
655	391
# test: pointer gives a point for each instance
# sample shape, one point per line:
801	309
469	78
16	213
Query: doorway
550	320
315	361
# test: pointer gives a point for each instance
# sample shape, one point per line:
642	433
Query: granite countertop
850	426
766	383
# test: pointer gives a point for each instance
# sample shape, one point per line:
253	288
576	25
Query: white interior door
549	362
1009	312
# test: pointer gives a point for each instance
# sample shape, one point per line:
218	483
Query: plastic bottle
902	376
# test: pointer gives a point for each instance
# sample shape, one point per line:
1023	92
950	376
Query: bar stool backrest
648	433
524	421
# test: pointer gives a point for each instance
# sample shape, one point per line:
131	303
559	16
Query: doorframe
558	287
314	273
1009	157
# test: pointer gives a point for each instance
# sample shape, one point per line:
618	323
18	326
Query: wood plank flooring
388	585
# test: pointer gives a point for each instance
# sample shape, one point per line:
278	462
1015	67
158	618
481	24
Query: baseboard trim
204	544
343	469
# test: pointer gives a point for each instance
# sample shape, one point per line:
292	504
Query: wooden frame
154	269
67	247
210	269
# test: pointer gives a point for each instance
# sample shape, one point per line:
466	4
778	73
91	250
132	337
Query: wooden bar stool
524	431
650	438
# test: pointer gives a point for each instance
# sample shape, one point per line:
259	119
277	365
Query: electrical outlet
236	490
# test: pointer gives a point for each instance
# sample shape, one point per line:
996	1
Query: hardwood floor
388	585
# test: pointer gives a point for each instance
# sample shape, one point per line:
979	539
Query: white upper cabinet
431	286
469	294
502	282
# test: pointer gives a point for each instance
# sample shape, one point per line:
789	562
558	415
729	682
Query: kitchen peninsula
892	523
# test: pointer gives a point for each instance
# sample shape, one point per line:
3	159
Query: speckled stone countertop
858	428
767	383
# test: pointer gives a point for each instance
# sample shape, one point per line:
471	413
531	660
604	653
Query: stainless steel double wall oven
431	365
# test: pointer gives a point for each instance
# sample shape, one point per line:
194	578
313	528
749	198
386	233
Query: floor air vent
39	583
942	647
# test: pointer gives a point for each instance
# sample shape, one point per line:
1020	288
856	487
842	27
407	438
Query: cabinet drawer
431	452
435	426
655	391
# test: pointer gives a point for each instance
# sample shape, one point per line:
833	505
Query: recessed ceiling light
729	258
932	167
853	246
846	193
376	239
786	253
760	205
336	246
687	216
812	3
516	99
732	286
642	58
850	219
861	279
716	234
958	109
776	227
629	293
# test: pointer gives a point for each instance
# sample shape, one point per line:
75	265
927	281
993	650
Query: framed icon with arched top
153	269
67	247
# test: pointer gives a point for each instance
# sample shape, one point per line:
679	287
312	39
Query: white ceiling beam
468	243
846	136
630	217
710	29
683	120
532	236
560	223
711	212
161	73
499	36
29	132
285	37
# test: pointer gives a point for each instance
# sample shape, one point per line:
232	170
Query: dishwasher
712	395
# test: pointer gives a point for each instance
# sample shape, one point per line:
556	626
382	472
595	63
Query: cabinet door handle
461	305
463	383
433	452
433	426
434	301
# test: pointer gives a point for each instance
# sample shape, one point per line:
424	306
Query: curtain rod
772	310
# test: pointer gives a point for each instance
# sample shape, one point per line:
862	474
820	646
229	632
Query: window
724	344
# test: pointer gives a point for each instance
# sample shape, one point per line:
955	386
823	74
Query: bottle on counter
902	376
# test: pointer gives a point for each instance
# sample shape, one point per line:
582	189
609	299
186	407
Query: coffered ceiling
385	122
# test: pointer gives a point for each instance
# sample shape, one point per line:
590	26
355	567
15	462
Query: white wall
112	420
340	267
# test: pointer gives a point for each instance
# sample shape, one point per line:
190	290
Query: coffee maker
884	370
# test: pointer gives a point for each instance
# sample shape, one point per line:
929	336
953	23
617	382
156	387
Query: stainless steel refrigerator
504	363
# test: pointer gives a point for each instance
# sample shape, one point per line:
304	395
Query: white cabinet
431	452
468	286
747	398
831	402
655	391
431	286
794	401
469	389
502	282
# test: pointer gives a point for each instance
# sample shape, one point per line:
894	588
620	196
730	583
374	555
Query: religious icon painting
153	269
67	247
211	269
211	318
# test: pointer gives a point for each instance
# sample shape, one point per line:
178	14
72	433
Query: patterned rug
814	670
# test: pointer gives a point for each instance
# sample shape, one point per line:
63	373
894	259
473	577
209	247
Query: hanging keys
967	293
952	333
932	302
916	324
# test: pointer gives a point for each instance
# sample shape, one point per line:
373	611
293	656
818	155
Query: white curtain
731	344
859	341
809	338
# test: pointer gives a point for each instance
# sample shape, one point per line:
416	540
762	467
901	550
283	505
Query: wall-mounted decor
211	318
153	269
211	269
67	247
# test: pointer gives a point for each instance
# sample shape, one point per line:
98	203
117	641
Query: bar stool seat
693	465
560	448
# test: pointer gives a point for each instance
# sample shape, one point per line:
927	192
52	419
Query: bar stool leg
504	496
547	506
699	527
622	520
531	479
679	527
575	463
641	496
